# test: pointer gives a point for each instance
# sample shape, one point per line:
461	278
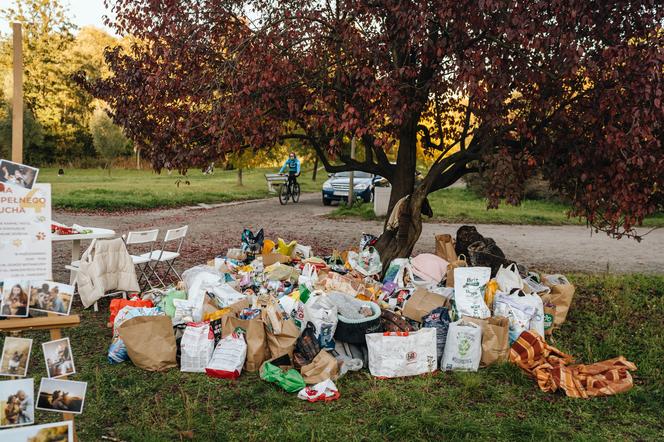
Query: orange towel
549	366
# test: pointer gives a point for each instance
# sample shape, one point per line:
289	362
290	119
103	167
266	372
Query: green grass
610	316
464	206
142	189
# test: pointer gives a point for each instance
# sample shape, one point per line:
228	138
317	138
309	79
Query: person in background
292	166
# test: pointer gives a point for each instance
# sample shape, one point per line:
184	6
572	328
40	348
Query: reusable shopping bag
257	350
469	286
562	293
196	347
400	273
324	366
228	357
400	354
290	379
445	247
150	342
463	348
508	279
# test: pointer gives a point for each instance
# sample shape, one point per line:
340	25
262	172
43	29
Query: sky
81	12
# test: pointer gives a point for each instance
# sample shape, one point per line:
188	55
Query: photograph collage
21	299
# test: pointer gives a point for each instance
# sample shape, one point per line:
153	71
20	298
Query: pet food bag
400	354
438	319
228	357
463	348
469	286
196	347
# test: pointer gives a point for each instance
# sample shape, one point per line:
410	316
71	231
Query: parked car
336	187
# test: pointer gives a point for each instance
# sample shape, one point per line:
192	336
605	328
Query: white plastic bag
524	312
308	278
228	357
463	348
196	347
302	252
508	278
323	391
469	286
367	262
323	315
402	354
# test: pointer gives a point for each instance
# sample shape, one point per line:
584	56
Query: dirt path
213	230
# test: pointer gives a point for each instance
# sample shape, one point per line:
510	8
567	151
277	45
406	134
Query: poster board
25	232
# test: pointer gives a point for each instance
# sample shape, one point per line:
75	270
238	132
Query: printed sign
25	232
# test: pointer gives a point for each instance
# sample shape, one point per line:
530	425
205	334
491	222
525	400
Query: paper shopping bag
281	334
445	247
421	302
150	342
324	366
461	262
562	293
495	341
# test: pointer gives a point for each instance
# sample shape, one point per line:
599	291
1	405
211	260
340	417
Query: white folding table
97	233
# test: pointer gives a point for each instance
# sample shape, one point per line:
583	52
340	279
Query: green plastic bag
166	303
290	380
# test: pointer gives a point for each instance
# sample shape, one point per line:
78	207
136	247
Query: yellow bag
490	293
216	314
268	246
286	249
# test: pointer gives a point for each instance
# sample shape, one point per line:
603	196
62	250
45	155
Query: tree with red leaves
572	88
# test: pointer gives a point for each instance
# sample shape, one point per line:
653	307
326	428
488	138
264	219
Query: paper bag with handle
445	247
460	262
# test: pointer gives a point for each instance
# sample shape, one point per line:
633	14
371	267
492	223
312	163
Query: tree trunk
399	243
239	176
313	176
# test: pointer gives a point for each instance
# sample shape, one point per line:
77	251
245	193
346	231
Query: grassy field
463	206
610	316
143	189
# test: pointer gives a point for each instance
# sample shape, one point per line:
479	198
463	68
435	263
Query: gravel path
215	228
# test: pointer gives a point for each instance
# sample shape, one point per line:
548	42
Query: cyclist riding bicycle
292	164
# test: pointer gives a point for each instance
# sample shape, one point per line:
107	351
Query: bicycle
289	190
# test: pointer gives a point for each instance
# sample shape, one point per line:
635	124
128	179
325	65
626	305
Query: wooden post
351	183
17	105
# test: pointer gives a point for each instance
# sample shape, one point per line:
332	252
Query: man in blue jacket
292	166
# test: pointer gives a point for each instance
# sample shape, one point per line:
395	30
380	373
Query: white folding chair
142	262
165	256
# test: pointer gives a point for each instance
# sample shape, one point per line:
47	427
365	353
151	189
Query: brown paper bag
281	334
461	262
324	366
495	340
150	342
561	297
421	302
271	258
445	247
257	351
